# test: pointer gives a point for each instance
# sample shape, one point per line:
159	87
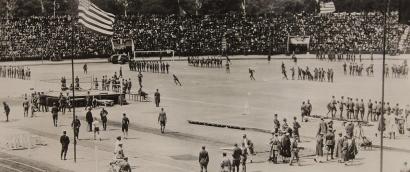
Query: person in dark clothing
176	80
251	72
157	98
103	115
236	155
203	159
285	150
76	126
330	143
140	79
85	68
54	112
88	100
296	127
65	141
167	67
6	110
90	119
124	127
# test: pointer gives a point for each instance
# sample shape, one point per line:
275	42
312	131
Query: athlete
176	80
251	72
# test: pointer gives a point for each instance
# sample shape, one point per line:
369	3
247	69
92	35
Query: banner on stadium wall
118	44
299	40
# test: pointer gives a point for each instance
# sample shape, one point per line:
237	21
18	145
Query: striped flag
327	6
94	18
243	6
182	12
42	6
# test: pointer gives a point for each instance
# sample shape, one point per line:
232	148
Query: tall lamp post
381	120
74	44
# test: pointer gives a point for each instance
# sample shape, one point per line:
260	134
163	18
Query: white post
92	82
96	157
54	8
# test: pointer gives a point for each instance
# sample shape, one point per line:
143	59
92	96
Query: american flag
94	18
327	6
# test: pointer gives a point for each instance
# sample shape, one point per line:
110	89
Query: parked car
119	59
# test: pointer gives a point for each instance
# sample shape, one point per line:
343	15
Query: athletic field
213	95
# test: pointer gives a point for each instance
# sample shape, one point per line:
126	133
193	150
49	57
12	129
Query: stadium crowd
48	37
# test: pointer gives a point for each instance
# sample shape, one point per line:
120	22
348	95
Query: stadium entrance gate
298	44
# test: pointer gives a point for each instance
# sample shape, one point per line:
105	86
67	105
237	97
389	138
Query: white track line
11	168
27	165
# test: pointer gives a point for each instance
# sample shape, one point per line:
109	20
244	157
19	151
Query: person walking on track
162	120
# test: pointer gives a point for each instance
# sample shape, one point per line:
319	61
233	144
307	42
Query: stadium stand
53	38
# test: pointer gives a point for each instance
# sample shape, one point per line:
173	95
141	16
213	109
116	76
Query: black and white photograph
204	85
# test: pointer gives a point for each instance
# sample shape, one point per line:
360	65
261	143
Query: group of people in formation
344	147
116	82
350	108
319	74
397	71
149	66
210	62
15	72
339	55
356	69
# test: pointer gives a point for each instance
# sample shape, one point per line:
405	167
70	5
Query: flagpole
73	88
54	8
381	120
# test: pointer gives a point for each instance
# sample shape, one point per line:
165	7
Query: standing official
303	110
203	159
236	158
76	124
6	111
296	127
85	68
54	112
90	119
276	123
157	98
330	143
65	141
25	106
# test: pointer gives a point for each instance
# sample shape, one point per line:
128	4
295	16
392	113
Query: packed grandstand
48	37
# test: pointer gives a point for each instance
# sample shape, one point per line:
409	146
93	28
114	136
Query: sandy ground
211	95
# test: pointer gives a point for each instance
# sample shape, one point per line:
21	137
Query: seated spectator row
47	37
